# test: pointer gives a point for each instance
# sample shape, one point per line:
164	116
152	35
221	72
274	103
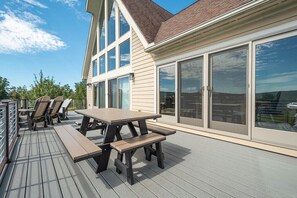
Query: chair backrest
41	106
56	105
65	105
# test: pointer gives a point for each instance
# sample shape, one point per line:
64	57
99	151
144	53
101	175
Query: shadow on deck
194	167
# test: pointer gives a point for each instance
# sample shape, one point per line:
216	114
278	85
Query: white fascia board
91	37
208	24
132	23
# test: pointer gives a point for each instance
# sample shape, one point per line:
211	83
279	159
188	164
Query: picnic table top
116	116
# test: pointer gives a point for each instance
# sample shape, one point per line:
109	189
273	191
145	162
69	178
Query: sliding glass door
275	97
228	90
119	93
191	92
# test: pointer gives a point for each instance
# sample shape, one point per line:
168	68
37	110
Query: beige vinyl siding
90	89
143	85
264	19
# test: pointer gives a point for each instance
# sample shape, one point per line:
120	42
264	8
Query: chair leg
160	155
44	124
148	154
130	177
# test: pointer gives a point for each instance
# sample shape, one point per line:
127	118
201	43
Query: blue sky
48	35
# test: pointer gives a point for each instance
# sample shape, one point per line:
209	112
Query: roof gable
148	16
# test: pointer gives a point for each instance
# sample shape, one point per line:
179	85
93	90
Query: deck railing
8	130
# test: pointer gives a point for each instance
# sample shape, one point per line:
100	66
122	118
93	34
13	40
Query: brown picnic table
114	119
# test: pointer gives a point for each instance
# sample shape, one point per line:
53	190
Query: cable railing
3	136
8	130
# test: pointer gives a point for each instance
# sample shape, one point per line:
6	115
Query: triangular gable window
124	26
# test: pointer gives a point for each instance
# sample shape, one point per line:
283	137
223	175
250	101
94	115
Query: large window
95	68
125	53
119	93
167	90
124	93
102	30
124	26
101	87
276	84
112	96
111	21
102	64
111	59
113	37
190	94
95	95
228	83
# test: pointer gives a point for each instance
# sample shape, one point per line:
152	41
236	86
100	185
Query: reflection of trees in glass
102	94
229	85
112	97
276	85
190	84
167	90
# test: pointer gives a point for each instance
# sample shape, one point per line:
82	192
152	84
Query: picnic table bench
157	129
78	146
128	148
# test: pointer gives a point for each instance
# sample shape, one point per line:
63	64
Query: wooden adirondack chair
40	113
64	109
54	110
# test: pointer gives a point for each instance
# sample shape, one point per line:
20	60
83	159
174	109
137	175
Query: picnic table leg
132	129
84	125
142	127
111	130
143	131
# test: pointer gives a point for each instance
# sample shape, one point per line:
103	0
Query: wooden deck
194	167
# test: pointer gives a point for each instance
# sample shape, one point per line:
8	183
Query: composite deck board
194	167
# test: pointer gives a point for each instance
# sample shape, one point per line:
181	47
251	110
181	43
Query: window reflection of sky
191	75
95	67
125	53
229	71
111	60
111	23
124	26
276	65
167	79
102	64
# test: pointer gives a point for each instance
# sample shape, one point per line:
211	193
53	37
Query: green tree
4	88
46	86
80	91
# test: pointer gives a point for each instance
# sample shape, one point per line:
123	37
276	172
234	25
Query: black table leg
142	127
132	129
84	125
102	162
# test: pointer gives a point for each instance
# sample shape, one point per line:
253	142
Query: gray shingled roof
195	15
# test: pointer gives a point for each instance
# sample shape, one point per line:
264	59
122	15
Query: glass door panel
102	95
190	94
124	93
228	90
167	90
276	90
112	95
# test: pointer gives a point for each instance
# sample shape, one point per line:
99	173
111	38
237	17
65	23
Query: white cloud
22	35
35	3
70	3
